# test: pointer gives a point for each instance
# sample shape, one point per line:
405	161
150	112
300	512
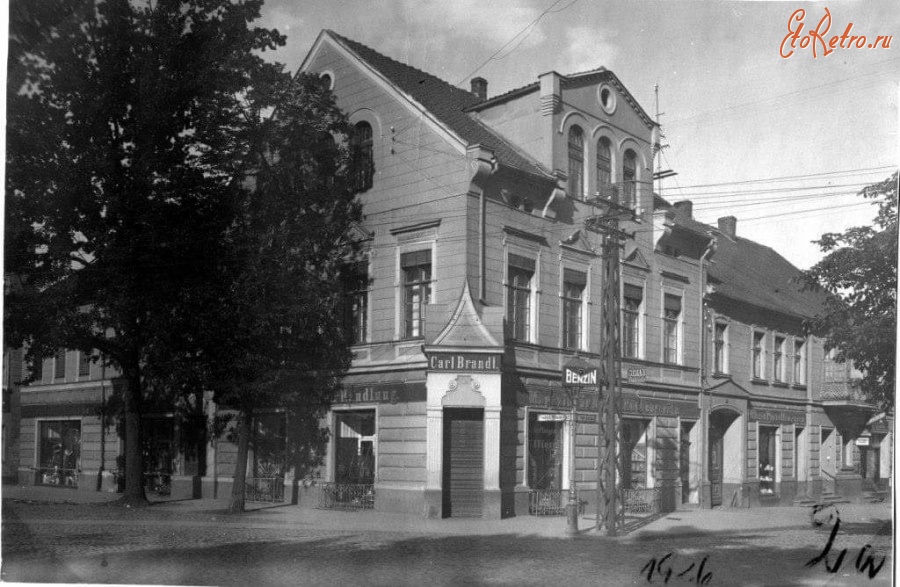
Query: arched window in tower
629	179
576	162
604	166
362	159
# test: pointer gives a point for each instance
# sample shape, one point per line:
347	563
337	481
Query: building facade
481	278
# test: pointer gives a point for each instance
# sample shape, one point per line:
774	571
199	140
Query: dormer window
576	162
629	179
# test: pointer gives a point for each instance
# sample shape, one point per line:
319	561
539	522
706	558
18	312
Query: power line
790	177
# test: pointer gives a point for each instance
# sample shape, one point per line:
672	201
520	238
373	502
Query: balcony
847	406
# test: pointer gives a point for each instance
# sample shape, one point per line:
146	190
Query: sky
783	144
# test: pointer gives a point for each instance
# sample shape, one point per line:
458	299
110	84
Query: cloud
494	23
587	48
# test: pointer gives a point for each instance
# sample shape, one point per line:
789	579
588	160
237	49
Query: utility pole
610	509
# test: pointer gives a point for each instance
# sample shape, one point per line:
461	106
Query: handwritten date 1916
664	569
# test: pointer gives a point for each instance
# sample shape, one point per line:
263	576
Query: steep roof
446	102
746	271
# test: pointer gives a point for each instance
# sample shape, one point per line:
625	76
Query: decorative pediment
463	392
465	327
635	258
356	233
578	242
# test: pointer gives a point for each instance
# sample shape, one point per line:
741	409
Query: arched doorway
724	452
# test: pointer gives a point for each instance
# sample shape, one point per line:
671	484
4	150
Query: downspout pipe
483	164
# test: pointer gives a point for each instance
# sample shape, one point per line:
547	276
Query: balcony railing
264	489
346	496
843	391
551	502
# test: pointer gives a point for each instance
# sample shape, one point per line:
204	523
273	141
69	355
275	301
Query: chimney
479	87
728	226
685	208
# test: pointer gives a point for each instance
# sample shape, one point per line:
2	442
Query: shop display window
546	443
355	447
60	452
767	461
634	443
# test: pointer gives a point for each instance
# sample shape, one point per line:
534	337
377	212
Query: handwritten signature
664	569
866	565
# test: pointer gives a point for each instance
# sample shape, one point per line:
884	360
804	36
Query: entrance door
716	464
463	463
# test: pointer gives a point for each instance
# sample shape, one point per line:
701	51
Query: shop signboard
633	405
862	441
464	362
385	393
551	418
579	373
773	416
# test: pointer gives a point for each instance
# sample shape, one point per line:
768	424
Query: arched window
629	179
362	159
604	166
576	162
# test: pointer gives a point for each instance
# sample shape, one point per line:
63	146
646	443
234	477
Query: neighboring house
479	281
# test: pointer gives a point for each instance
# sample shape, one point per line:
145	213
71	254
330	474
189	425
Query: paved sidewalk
685	522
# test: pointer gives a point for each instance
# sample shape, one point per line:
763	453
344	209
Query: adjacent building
480	279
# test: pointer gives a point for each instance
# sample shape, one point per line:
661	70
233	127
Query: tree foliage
860	271
127	146
280	343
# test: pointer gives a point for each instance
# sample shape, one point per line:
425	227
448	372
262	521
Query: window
361	156
59	452
355	447
758	363
634	441
59	364
604	166
416	269
629	179
574	283
721	348
84	364
767	459
520	273
778	359
671	334
576	162
800	362
631	321
357	302
546	453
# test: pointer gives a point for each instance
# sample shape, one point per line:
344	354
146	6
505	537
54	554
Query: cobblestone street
192	542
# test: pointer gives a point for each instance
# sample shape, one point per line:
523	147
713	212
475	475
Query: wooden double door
463	466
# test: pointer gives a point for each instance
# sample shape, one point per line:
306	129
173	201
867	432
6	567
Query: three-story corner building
481	281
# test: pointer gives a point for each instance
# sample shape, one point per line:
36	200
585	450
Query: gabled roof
570	80
445	102
746	271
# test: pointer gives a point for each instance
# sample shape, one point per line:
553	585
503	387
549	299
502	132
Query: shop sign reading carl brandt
478	362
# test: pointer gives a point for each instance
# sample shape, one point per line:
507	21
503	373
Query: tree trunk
245	419
134	462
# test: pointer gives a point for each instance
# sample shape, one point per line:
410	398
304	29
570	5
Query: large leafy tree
860	271
127	147
276	340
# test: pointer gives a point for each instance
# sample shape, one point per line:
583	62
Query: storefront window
545	453
634	441
60	452
355	447
767	459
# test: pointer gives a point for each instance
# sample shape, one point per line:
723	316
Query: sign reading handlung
480	362
579	372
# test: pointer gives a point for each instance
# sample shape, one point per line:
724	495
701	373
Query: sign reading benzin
579	372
